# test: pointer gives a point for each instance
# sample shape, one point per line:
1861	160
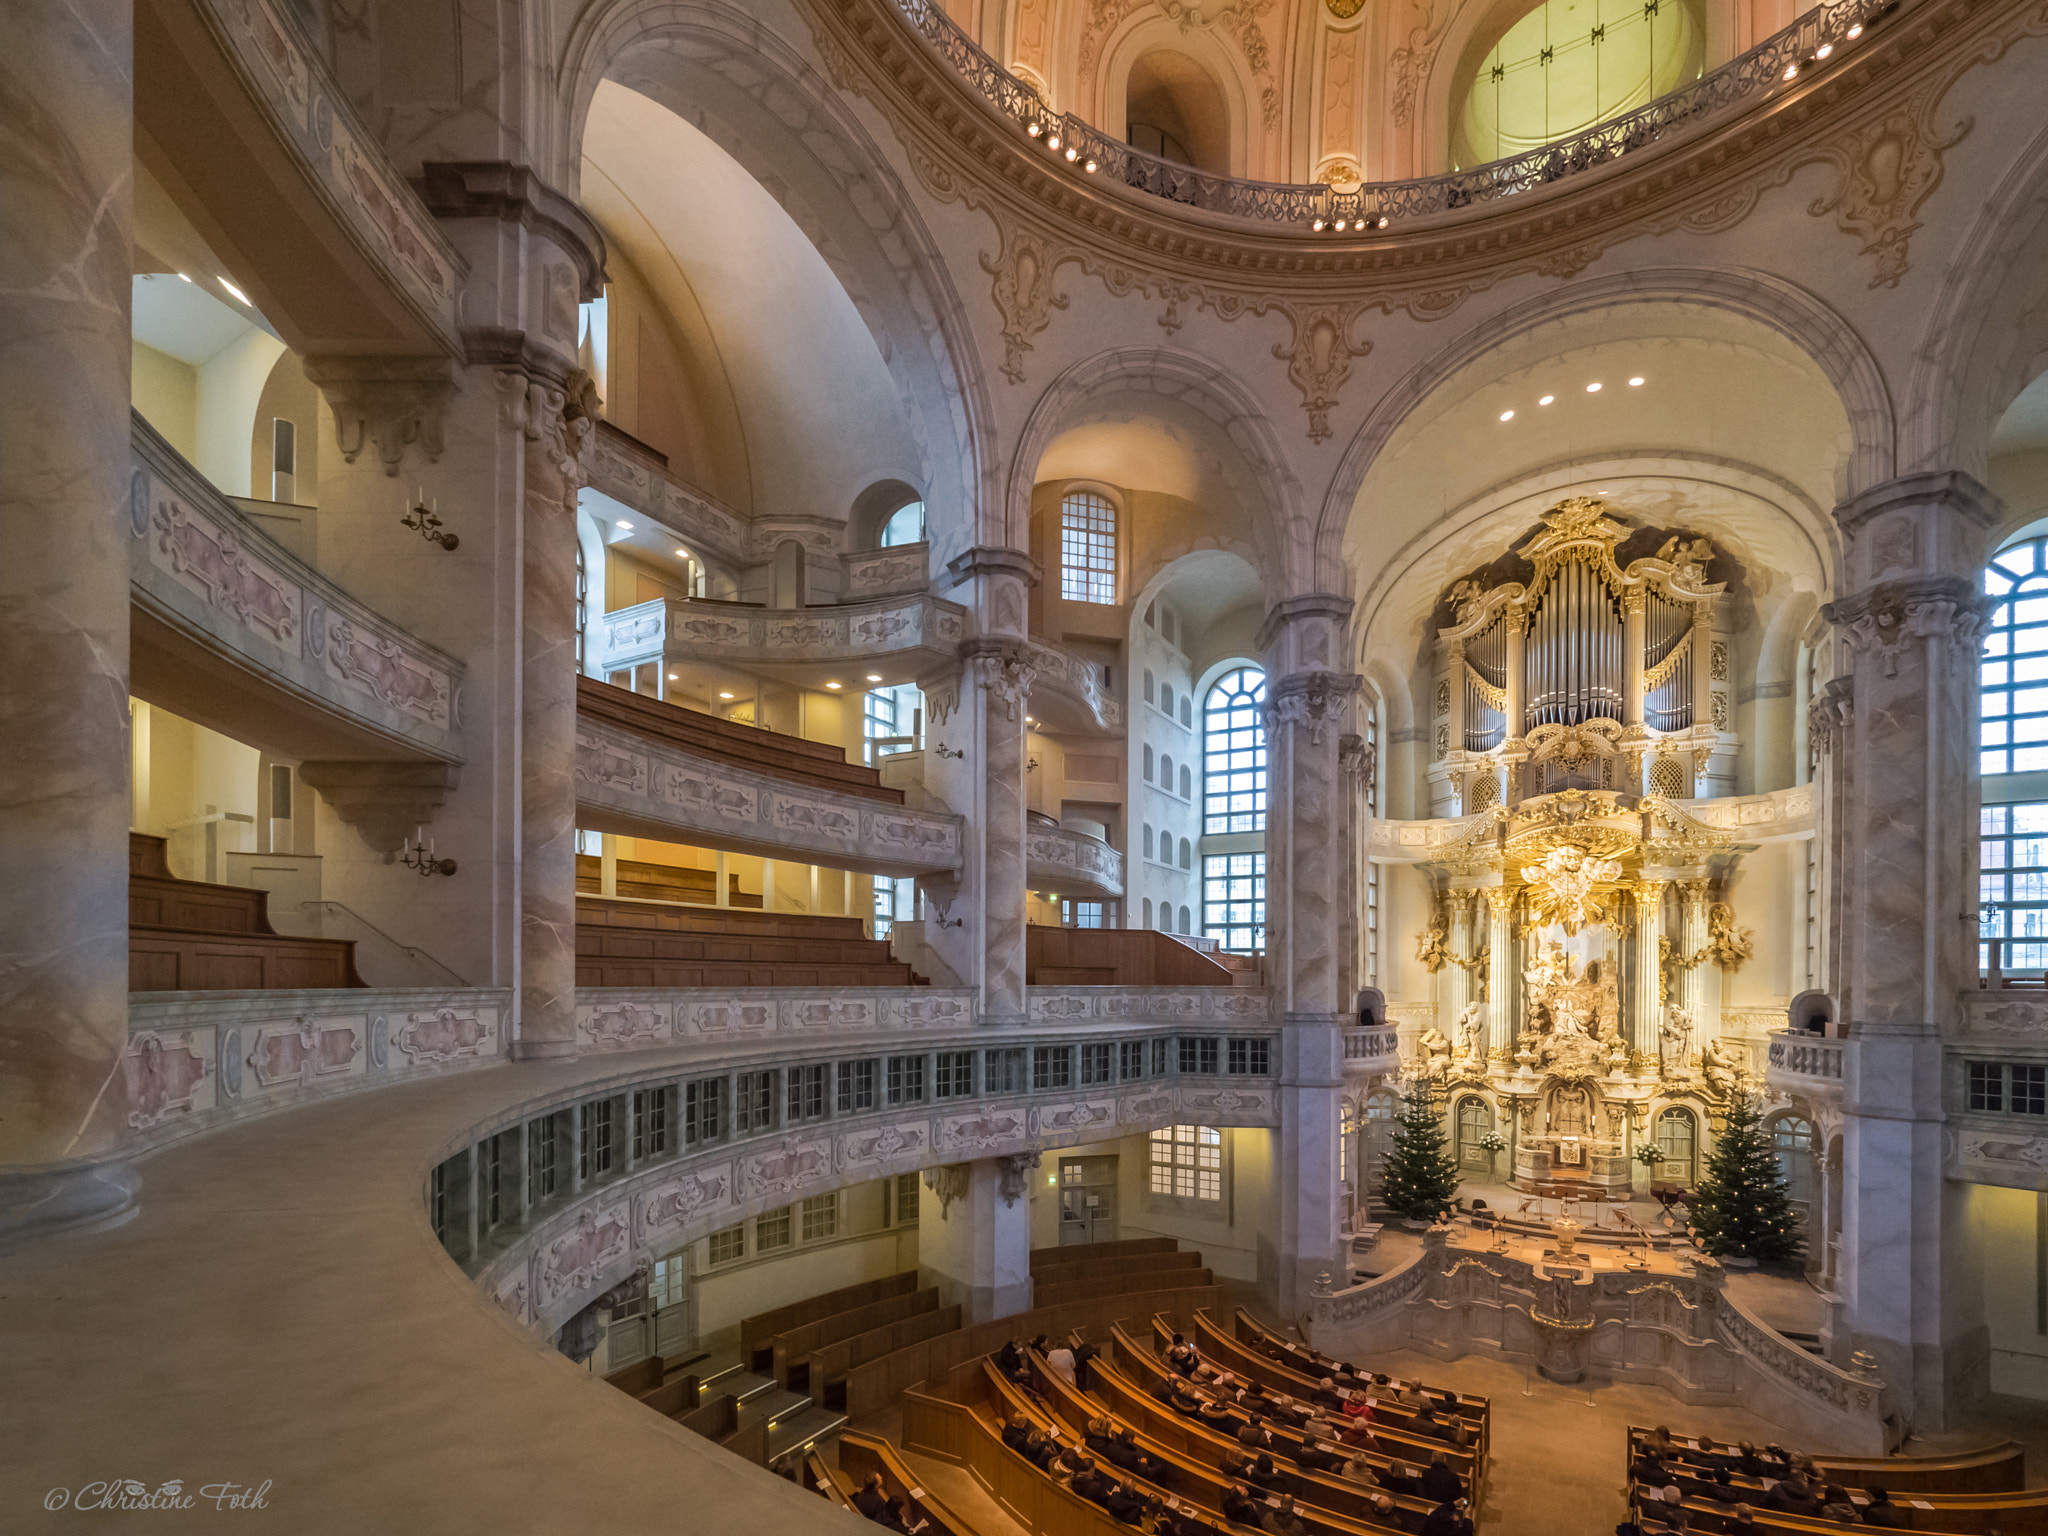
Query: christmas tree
1741	1207
1419	1179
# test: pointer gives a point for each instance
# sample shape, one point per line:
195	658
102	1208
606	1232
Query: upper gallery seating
1116	957
642	881
622	943
1786	1492
191	936
815	763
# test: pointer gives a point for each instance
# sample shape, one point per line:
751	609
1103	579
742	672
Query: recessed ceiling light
725	695
184	277
674	676
1592	389
1546	400
231	288
622	523
874	677
832	685
1632	383
1507	415
1855	32
682	554
1823	50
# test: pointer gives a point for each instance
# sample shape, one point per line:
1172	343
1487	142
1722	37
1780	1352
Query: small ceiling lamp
1507	415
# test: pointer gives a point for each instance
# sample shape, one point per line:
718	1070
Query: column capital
994	560
1917	526
1313	699
1006	668
1950	489
1880	618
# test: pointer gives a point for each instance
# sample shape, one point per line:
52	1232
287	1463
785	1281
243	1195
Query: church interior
1024	766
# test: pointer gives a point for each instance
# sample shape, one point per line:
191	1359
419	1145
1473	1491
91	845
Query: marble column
1355	762
66	521
974	1235
1501	971
1458	978
1692	940
1646	1015
1309	708
979	929
1900	728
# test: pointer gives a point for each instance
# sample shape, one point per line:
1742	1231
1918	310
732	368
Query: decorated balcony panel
1063	862
804	645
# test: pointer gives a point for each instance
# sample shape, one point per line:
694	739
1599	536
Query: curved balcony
1069	692
808	646
1063	862
1369	1052
1820	39
1808	1066
224	611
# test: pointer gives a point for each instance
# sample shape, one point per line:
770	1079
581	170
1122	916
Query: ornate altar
1580	923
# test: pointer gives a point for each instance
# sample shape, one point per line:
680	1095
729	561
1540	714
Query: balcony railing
1805	1061
1812	42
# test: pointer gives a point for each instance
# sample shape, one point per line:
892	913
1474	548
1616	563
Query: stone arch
1958	385
770	107
1222	67
1211	391
1784	308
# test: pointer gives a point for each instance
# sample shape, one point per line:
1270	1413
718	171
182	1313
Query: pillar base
41	1202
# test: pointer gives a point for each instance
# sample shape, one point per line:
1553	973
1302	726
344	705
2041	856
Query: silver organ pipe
1574	651
1486	726
1667	704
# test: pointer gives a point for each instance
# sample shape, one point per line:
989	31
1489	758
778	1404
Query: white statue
1677	1037
1436	1054
1471	1032
1721	1067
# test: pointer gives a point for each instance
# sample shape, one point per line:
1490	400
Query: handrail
410	951
1779	60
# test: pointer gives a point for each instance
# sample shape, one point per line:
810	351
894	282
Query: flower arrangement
1493	1141
1649	1155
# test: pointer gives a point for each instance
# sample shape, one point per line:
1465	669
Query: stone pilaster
1309	708
974	1235
1646	1015
1355	763
1500	976
1692	940
1902	823
979	930
66	522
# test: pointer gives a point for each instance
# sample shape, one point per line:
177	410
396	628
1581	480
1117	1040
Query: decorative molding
1887	168
1319	358
391	403
1022	273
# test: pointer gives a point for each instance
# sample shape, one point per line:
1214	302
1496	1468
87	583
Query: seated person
1882	1512
1793	1495
1016	1431
1071	1460
1721	1488
1126	1504
1254	1436
1215	1412
1318	1458
1166	1388
869	1499
1836	1505
1177	1519
1742	1522
1239	1507
1100	1437
1665	1509
1181	1358
1439	1483
1041	1450
1660	1441
903	1518
1010	1360
1286	1410
1395	1479
1748	1463
1708	1455
1260	1470
1426	1422
1648	1469
1124	1452
1084	1354
1281	1520
1448	1520
1090	1482
1181	1399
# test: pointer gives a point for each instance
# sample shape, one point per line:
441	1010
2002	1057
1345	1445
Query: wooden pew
757	1333
832	1363
1250	1331
821	1480
860	1454
1995	1469
671	1395
1136	1284
2017	1512
1090	1253
1226	1354
1109	1269
871	1388
1202	1455
1143	1370
790	1352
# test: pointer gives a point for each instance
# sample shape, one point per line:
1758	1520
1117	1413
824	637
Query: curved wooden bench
861	1454
757	1333
1250	1331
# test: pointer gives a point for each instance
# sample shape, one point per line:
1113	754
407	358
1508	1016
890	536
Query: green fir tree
1420	1178
1741	1207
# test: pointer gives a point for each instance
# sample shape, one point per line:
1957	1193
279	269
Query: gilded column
1692	939
1647	1006
1458	978
1515	686
69	519
1634	737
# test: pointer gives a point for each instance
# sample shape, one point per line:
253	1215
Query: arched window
1087	548
1166	699
1566	66
1187	922
1148	681
1234	754
1792	1137
2015	729
1148	911
905	526
1187	783
1148	763
1187	715
1678	1140
1166	771
1187	854
1475	1119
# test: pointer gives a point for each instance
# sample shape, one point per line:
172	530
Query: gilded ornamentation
1570	888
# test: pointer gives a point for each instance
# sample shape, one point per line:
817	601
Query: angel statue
1677	1037
1470	1029
1434	945
1721	1067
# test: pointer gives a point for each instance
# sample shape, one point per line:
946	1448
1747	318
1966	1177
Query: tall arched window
1087	548
1792	1137
1234	754
2012	849
905	526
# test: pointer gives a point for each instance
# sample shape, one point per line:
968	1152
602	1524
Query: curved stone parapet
1070	863
918	632
630	783
1149	1005
1368	1052
1805	1065
216	580
1070	691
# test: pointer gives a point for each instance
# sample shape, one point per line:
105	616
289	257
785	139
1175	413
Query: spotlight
832	685
1034	130
1546	400
1052	141
622	523
1340	226
1382	223
1072	153
1791	71
725	695
1507	415
1823	50
1635	382
231	288
874	677
1855	32
1317	226
1089	165
1592	389
682	554
184	277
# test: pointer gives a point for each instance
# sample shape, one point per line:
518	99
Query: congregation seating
672	1394
1967	1493
864	1455
1139	1374
1292	1368
1116	957
817	764
625	943
759	1332
194	936
641	880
